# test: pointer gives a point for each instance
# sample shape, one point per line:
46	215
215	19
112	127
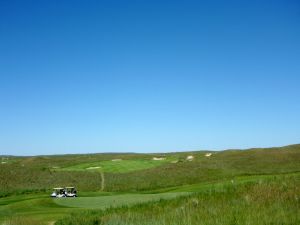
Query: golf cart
70	192
58	193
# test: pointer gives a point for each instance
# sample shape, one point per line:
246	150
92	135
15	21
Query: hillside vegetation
41	173
226	187
263	202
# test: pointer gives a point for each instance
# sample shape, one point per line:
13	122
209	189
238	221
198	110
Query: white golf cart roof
70	187
58	188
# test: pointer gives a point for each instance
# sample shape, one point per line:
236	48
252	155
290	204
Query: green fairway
258	200
117	165
232	183
34	207
37	207
43	208
103	202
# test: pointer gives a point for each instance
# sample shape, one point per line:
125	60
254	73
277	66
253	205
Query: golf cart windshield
58	190
70	189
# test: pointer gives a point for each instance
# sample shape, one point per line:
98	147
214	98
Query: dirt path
102	180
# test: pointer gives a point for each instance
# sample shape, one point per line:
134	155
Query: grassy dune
220	166
228	187
278	193
274	201
36	174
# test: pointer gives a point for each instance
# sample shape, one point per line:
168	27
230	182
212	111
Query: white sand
157	158
190	158
93	167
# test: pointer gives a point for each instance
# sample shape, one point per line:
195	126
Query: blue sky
148	76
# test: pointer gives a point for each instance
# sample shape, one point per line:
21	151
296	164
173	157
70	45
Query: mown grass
103	202
37	208
41	208
26	182
261	202
116	166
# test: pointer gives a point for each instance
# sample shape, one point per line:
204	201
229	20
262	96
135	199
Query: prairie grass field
254	186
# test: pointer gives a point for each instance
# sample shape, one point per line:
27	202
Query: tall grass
220	166
32	174
22	221
262	202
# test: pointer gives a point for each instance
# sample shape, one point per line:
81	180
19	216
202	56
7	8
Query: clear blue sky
148	76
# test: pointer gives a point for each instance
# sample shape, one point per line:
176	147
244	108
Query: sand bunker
93	168
114	160
158	158
208	154
190	158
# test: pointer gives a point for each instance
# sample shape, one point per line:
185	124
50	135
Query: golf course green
226	187
117	165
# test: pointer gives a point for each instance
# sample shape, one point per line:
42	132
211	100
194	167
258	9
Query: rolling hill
157	183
